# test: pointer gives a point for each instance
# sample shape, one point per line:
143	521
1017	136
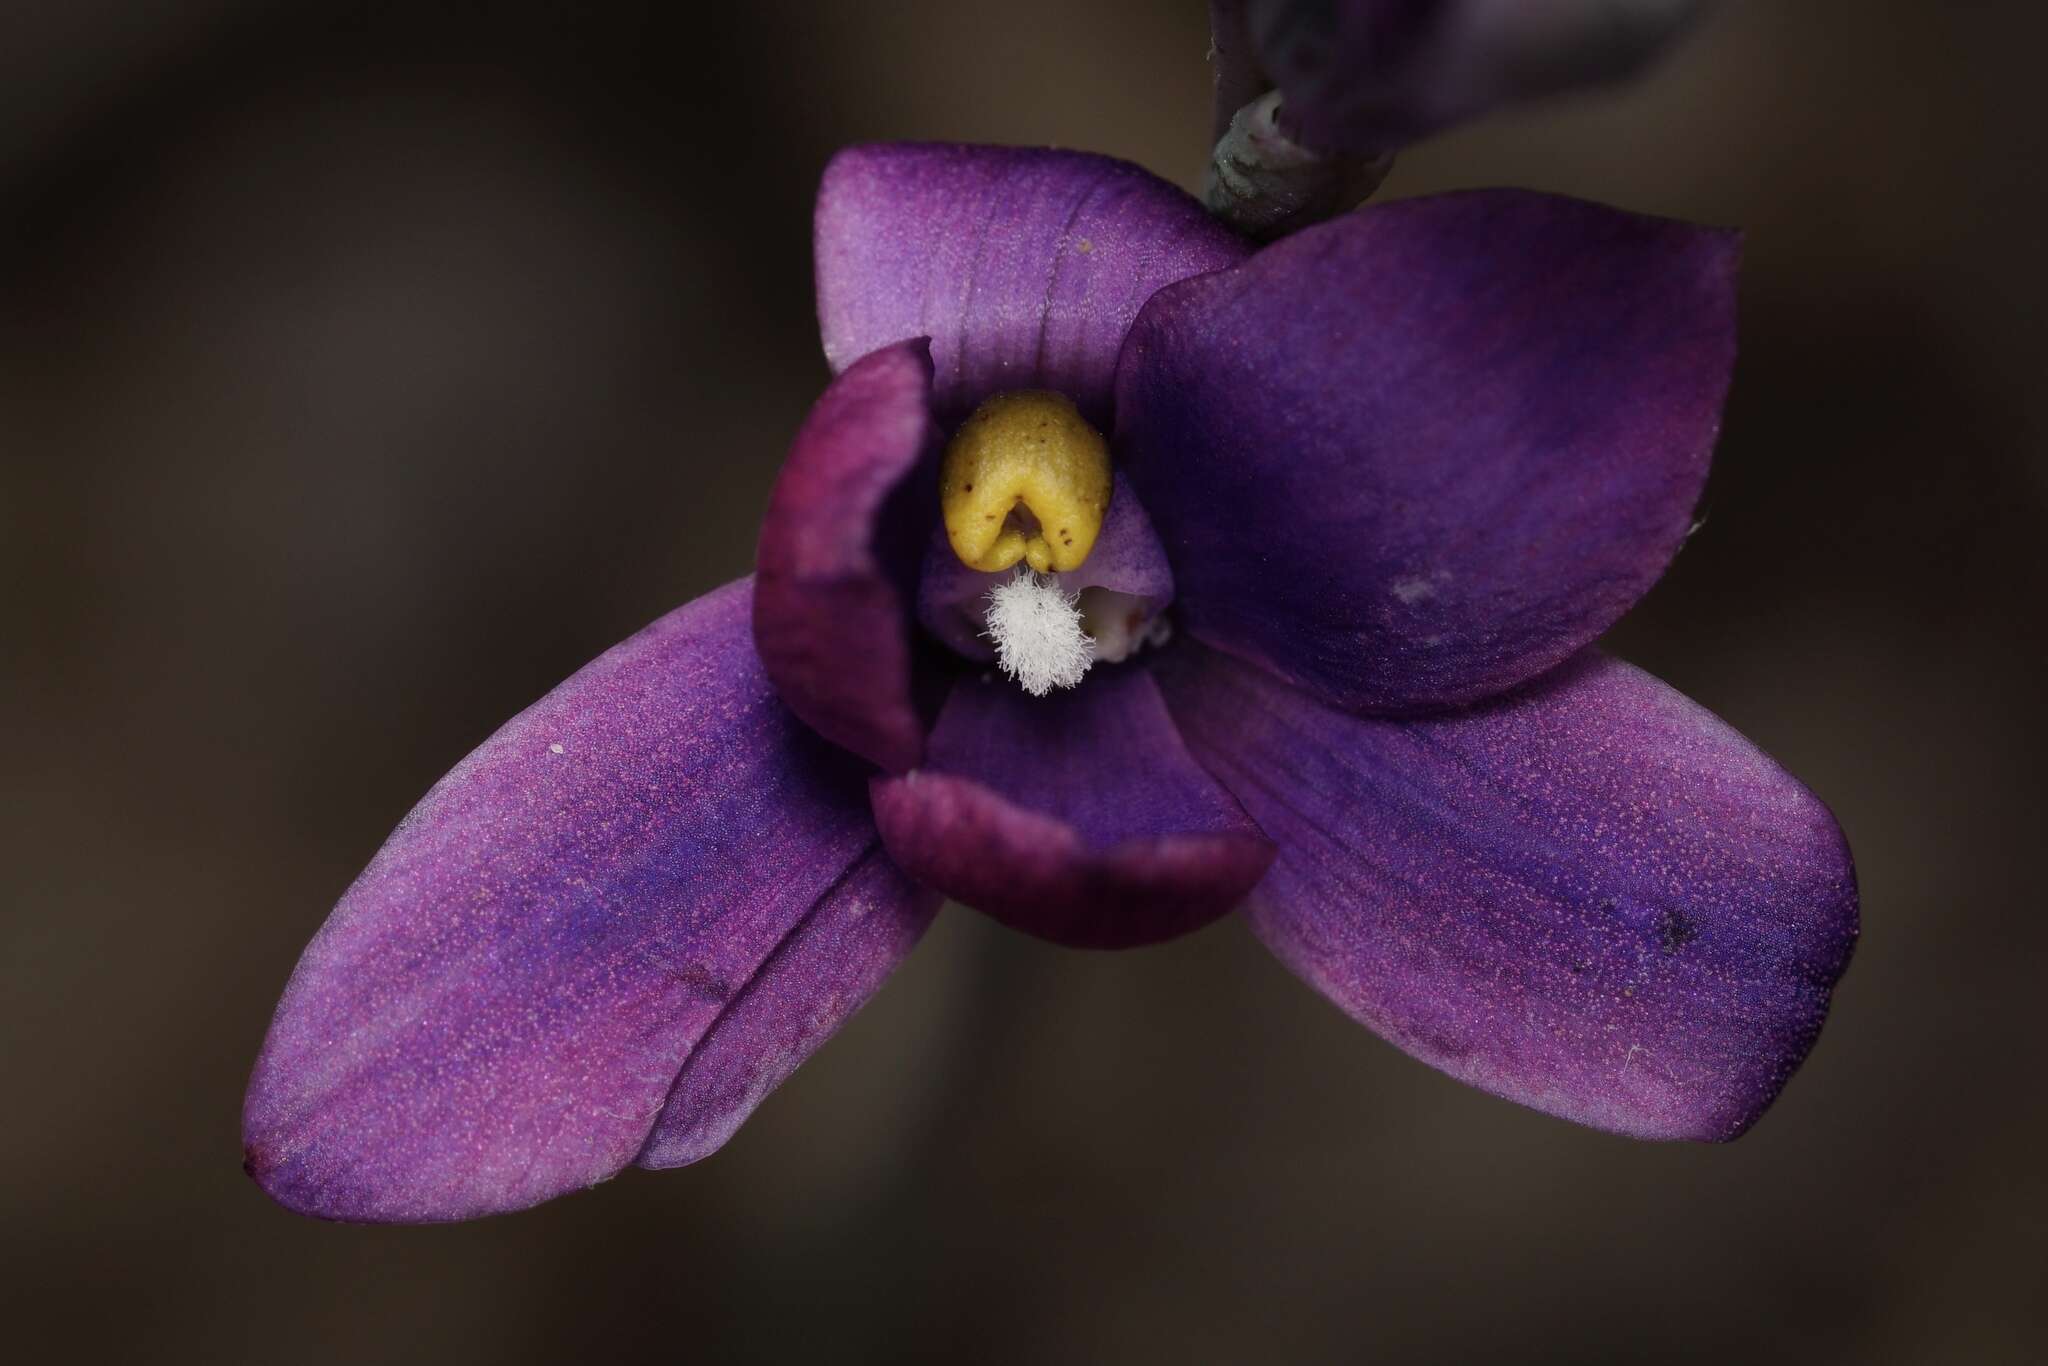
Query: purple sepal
1369	76
1023	265
1592	897
826	969
839	551
497	1011
1079	817
1127	558
1415	456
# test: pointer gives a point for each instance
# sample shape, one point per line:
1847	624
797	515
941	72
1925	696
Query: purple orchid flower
1384	481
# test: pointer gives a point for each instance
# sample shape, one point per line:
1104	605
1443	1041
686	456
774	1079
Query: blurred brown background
363	372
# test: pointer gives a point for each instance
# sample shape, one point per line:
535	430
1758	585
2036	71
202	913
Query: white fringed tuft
1037	633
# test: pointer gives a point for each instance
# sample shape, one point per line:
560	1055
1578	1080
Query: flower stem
1261	181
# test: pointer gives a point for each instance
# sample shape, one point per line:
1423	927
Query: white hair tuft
1037	633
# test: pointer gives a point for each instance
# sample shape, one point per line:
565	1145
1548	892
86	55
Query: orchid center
1043	562
1025	483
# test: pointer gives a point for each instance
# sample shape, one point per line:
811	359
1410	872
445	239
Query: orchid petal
1024	266
498	1009
1078	817
1592	897
840	548
1417	455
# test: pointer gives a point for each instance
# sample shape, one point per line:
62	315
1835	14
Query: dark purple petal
1077	817
826	969
1593	898
1417	455
498	1009
1365	76
951	598
1024	266
839	552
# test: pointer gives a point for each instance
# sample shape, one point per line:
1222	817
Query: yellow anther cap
1025	478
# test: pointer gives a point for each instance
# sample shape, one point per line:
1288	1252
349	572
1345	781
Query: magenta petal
1593	898
1078	817
1417	455
497	1010
1024	266
826	969
840	547
1367	76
